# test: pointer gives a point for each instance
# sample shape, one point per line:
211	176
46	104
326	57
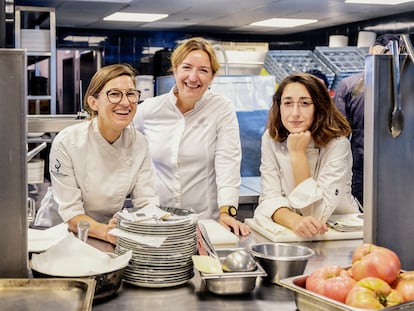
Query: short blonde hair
194	44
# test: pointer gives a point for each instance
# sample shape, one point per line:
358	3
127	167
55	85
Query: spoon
239	261
397	118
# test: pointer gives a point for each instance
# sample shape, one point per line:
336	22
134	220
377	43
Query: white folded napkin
347	222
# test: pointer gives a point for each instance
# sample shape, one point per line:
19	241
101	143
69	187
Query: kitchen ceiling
224	16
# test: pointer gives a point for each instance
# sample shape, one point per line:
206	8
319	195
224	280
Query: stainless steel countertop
193	295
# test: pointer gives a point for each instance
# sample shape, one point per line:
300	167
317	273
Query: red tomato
331	281
376	261
373	293
405	285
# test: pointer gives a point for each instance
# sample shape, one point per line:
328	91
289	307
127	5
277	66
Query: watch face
232	211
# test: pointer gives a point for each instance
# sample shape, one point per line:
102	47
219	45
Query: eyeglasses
115	96
303	104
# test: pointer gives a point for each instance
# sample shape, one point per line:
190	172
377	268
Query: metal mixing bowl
281	260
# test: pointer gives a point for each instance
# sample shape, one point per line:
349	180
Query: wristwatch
229	210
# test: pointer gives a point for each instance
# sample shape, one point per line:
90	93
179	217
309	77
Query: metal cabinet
35	31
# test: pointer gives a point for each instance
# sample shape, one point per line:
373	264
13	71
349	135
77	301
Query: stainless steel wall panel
13	186
388	161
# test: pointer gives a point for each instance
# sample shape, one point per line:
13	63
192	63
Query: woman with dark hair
306	162
96	164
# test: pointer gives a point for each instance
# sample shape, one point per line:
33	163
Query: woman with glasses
306	161
96	164
194	139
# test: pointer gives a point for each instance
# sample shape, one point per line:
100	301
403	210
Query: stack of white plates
167	265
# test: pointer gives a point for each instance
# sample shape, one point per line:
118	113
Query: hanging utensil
396	122
408	46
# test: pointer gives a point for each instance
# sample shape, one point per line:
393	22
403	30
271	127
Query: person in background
96	164
320	75
306	158
349	98
194	139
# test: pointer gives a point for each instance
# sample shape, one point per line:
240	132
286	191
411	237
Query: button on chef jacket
91	176
196	155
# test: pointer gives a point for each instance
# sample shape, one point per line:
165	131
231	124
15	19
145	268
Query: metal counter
193	295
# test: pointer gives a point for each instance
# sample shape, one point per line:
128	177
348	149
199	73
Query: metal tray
309	301
231	283
47	294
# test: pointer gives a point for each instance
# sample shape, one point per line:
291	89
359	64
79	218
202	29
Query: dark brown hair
328	122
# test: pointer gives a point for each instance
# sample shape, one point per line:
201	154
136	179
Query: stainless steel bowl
281	260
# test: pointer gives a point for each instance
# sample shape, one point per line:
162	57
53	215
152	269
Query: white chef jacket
196	155
327	192
93	177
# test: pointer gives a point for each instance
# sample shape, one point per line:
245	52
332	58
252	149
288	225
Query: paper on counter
71	257
150	240
41	240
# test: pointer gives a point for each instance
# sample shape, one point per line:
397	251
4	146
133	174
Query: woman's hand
309	226
298	142
111	225
234	225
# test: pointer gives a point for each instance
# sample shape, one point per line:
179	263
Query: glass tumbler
83	228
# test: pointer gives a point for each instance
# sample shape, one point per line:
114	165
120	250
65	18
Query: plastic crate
343	61
281	63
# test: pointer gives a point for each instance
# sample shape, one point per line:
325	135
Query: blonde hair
194	44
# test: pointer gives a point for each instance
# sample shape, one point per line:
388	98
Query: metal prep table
193	295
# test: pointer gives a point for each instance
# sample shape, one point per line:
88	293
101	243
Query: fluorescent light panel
383	2
283	22
134	17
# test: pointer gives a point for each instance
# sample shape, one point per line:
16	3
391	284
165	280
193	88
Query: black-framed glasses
115	95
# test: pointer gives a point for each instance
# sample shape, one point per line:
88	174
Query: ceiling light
134	17
88	39
384	2
283	22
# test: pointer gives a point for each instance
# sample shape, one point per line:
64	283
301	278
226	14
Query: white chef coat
196	155
93	177
328	190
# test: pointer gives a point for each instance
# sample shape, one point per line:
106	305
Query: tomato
405	285
373	293
331	281
377	261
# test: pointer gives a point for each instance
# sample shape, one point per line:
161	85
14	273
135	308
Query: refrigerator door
388	160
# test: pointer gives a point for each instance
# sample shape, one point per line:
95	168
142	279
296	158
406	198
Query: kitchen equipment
31	211
281	260
107	284
218	234
231	283
396	118
309	301
72	258
239	261
51	294
207	242
388	162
